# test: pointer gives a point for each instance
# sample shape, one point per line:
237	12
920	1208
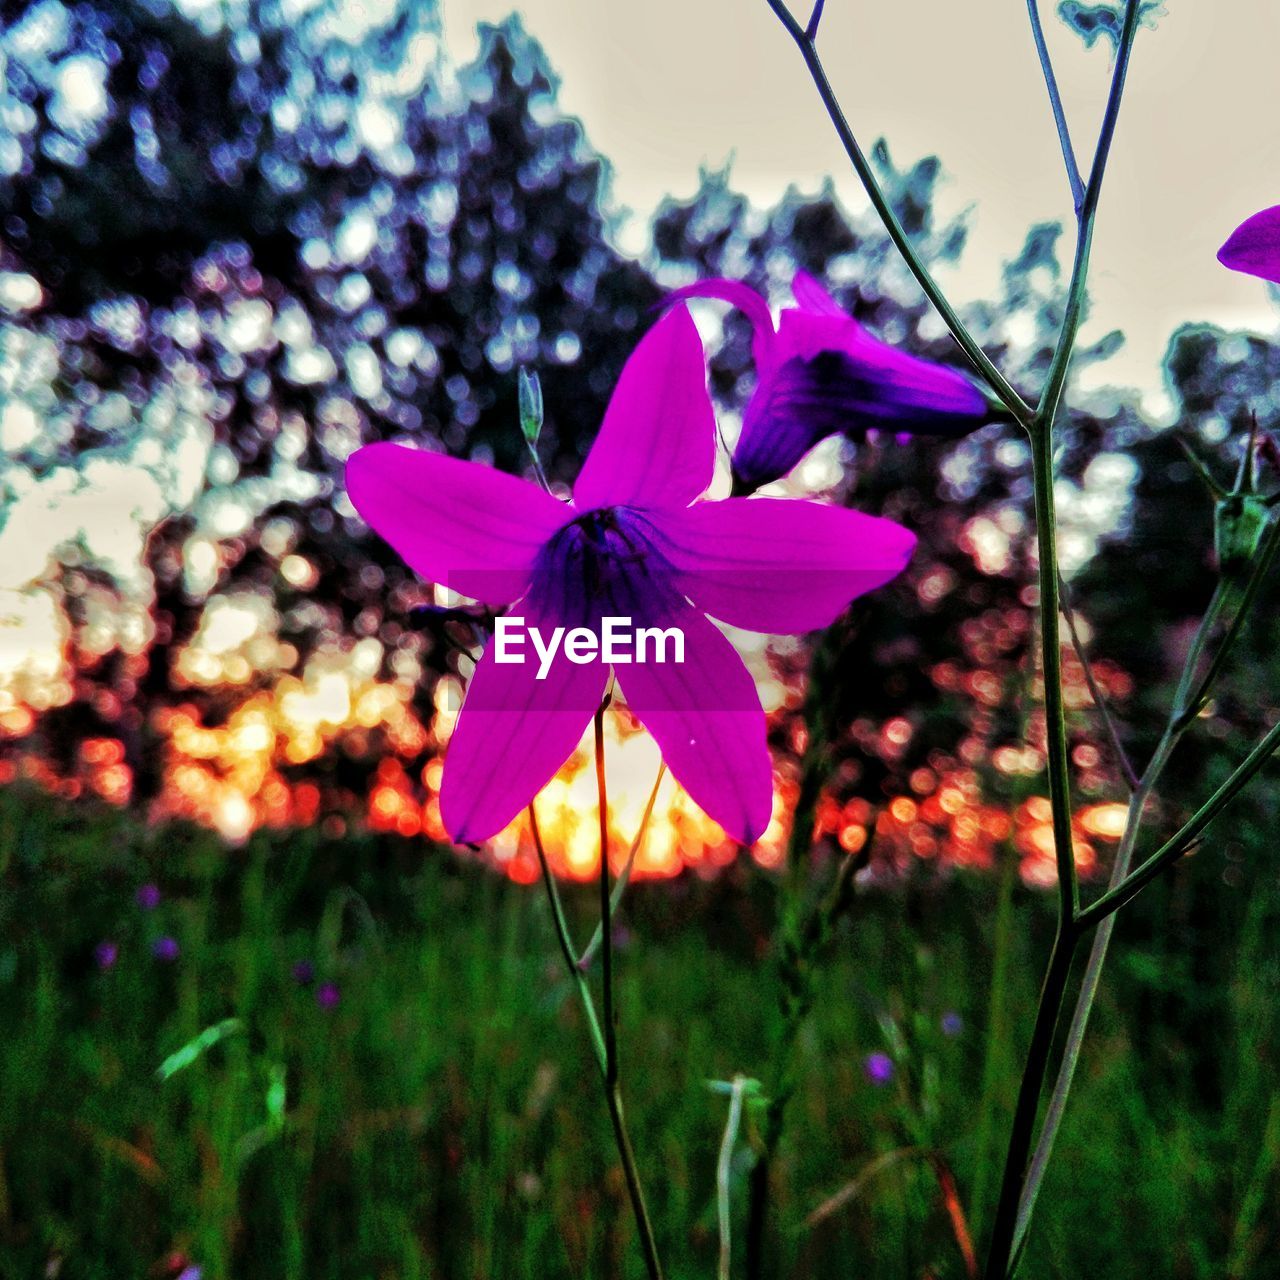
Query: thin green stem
982	363
1076	290
1074	178
1051	662
1102	938
566	942
1186	835
1024	1116
1258	574
1111	112
606	911
603	1039
724	1177
1075	1039
1040	425
815	17
1182	698
648	1245
539	473
613	1093
1000	1259
587	958
1109	726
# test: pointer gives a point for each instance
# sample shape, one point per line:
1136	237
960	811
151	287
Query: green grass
445	1120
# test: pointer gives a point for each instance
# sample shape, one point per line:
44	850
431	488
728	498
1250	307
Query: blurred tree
254	244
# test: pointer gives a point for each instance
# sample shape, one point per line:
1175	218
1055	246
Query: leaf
184	1057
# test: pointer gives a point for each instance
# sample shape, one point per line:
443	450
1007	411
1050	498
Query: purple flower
328	996
820	373
166	949
634	543
1254	246
304	973
952	1023
148	896
878	1068
106	954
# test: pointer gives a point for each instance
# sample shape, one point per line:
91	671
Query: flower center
601	564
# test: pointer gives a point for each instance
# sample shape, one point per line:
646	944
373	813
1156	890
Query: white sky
668	85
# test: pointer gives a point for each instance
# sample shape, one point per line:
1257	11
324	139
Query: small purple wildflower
106	954
952	1023
304	973
166	949
148	896
189	1273
878	1068
328	996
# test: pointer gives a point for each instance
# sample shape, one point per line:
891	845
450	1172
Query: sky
668	86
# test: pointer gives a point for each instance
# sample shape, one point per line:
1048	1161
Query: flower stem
606	912
1055	101
1052	993
1051	661
1000	386
1186	835
1109	726
603	1038
1000	1258
589	952
724	1173
613	1093
566	942
1102	938
1040	426
1189	705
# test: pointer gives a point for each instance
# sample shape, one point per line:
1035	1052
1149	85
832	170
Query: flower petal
746	299
779	565
831	376
513	732
791	409
811	294
884	382
463	525
657	445
1254	246
706	717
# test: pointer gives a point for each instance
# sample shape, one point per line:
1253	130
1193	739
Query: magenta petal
1254	246
466	526
812	295
706	717
746	299
884	382
779	565
657	445
513	732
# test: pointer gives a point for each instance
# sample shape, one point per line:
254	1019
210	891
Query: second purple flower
820	373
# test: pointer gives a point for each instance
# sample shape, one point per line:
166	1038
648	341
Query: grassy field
406	1089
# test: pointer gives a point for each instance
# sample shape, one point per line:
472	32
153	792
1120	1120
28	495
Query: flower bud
530	406
1239	521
